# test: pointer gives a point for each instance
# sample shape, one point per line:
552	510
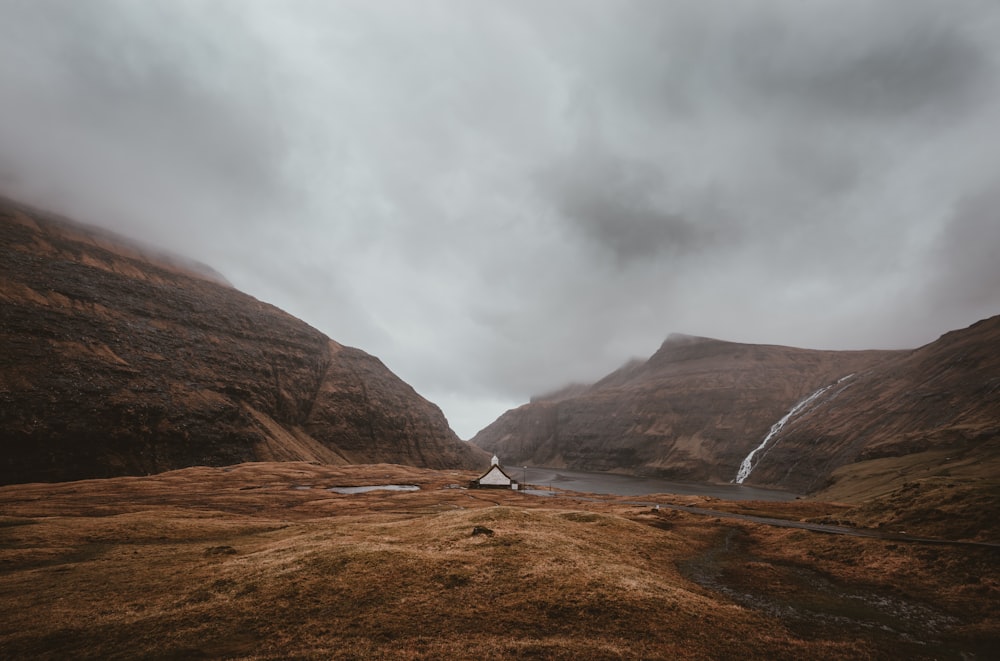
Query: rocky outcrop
941	401
693	411
115	360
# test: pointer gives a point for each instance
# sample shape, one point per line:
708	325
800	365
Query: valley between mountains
169	444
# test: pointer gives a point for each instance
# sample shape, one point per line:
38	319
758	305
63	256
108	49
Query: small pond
377	487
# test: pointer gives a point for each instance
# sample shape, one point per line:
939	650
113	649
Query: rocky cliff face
693	411
938	407
115	361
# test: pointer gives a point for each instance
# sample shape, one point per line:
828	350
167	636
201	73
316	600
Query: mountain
931	411
915	428
118	360
693	411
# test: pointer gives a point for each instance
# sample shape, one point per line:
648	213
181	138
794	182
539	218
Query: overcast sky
499	198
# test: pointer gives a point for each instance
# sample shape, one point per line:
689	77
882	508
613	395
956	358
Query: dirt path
816	605
819	527
781	523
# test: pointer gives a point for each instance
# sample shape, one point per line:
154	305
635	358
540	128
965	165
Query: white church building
494	478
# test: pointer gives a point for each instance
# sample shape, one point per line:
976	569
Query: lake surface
377	487
627	485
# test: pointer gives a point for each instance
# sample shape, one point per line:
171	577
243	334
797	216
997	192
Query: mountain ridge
702	409
115	363
691	411
943	396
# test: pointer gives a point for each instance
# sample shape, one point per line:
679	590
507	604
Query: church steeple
494	461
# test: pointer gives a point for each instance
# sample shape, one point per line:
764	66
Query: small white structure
494	478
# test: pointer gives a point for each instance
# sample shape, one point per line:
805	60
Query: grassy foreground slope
261	561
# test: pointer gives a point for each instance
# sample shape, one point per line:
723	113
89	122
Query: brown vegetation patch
935	508
237	563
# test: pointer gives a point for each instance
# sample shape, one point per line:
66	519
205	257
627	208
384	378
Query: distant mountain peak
684	338
678	340
692	411
681	347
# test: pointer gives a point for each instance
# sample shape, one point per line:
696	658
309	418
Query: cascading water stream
747	466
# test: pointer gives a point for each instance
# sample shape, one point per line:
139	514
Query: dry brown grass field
262	561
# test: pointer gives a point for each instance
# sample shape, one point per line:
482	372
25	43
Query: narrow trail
821	527
787	523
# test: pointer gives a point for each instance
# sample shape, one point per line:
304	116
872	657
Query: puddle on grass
377	487
538	492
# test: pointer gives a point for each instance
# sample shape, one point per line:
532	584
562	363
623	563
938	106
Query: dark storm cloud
964	271
146	105
621	205
868	76
499	198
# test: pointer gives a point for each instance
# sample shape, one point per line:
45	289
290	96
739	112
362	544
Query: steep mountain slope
693	411
116	361
935	410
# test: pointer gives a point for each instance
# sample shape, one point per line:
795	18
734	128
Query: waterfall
747	466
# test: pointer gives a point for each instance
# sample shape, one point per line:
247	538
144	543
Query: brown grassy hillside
930	413
116	361
260	561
